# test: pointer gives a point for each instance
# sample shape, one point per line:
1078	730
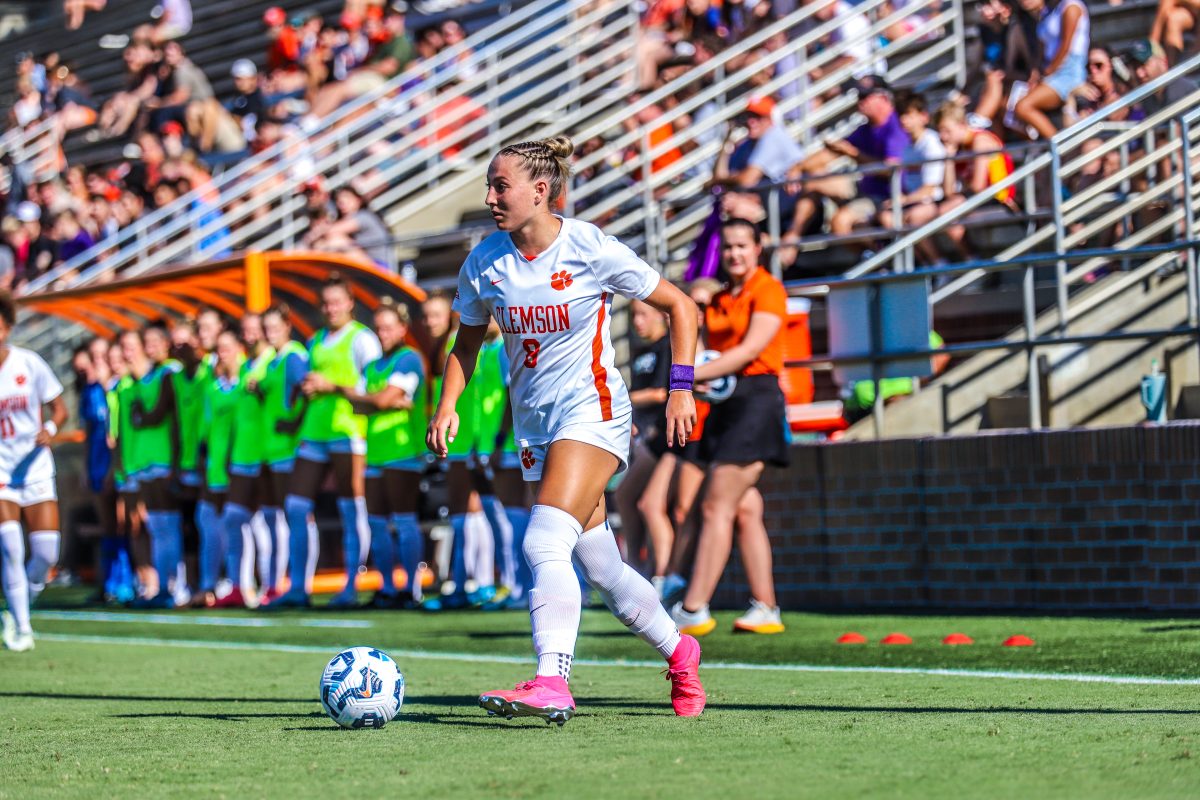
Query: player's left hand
681	418
442	430
315	383
43	438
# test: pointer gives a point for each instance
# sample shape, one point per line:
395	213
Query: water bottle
1154	394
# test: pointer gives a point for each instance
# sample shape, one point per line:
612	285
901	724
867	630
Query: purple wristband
683	377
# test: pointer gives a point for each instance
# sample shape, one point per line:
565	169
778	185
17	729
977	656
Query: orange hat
761	106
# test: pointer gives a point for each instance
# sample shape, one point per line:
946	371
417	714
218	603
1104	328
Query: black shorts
692	454
750	426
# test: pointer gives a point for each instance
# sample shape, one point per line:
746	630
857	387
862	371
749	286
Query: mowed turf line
111	720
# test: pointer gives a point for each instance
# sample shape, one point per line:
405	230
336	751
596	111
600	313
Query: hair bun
560	146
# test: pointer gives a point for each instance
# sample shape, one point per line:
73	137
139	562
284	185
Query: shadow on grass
230	717
472	722
525	634
134	698
1195	626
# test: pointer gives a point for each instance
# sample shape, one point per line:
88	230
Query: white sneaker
693	623
761	618
20	643
17	642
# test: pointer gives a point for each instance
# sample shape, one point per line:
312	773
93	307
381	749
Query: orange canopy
250	281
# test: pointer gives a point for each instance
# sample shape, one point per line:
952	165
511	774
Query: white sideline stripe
172	619
603	662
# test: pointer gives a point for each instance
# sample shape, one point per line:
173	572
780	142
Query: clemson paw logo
560	280
21	380
527	459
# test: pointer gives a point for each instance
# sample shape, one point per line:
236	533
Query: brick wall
1062	520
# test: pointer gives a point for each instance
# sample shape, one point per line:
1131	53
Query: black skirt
750	426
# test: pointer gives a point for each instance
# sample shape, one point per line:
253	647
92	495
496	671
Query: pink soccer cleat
683	671
235	599
546	697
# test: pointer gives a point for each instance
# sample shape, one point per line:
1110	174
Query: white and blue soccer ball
719	389
362	688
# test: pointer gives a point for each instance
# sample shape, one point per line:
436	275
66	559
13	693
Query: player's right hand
442	430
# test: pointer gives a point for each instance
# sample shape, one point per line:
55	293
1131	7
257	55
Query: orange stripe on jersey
599	373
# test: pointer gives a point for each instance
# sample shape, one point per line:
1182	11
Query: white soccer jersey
555	312
26	383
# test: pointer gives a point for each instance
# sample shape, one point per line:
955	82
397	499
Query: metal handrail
279	225
885	256
798	45
430	74
1030	339
828	112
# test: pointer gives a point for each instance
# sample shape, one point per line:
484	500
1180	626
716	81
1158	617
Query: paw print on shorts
560	280
527	459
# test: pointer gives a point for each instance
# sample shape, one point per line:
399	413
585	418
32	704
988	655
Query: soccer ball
362	688
719	389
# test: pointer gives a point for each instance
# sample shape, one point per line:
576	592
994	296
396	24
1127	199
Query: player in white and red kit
549	283
26	477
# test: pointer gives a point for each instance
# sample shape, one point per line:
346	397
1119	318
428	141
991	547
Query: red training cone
852	638
958	638
896	638
1018	641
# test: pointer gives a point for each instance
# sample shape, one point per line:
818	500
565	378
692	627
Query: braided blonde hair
545	159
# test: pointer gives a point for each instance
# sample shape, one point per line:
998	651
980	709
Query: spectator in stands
318	203
358	231
1150	61
1101	88
33	250
452	35
70	236
881	139
213	126
180	83
1173	20
75	10
924	182
174	23
767	155
388	60
28	107
970	176
8	261
1064	30
284	70
119	113
852	27
69	100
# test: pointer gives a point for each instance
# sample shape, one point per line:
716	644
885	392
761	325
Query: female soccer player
549	283
281	408
741	435
332	435
221	409
154	418
246	488
394	404
26	476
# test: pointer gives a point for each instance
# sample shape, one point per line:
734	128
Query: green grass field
135	705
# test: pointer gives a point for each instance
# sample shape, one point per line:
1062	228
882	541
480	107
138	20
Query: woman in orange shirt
745	323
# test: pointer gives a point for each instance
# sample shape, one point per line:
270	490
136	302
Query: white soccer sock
272	515
12	573
626	593
554	600
481	544
43	555
264	548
